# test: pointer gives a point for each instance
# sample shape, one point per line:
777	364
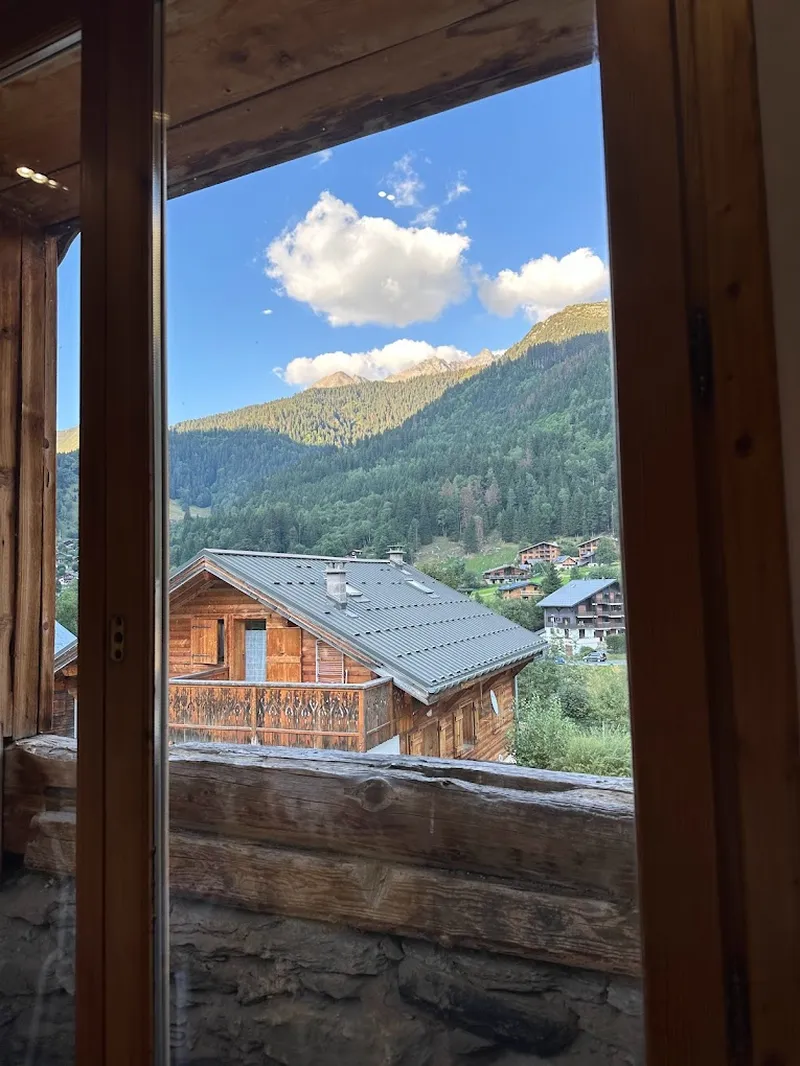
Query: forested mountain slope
525	447
337	415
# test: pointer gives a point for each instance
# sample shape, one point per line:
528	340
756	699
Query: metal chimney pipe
336	582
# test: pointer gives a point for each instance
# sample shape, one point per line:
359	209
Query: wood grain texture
10	297
756	722
377	843
48	608
117	918
447	907
681	885
30	559
249	87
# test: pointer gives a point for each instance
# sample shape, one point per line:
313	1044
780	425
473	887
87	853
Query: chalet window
255	650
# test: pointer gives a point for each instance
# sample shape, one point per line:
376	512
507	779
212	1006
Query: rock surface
254	990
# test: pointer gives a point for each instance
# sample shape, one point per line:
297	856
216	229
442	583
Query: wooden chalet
543	552
353	654
520	590
499	575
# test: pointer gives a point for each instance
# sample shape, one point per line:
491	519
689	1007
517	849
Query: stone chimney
397	555
336	582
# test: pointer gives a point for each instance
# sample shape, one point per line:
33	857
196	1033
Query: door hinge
701	355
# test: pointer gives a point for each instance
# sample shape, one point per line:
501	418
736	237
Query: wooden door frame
121	943
699	431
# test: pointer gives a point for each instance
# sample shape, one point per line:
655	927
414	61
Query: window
468	510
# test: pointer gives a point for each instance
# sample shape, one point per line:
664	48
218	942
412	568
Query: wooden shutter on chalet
330	664
458	731
430	739
204	641
284	653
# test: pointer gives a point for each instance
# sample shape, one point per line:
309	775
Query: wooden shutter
458	732
284	653
430	739
330	664
204	641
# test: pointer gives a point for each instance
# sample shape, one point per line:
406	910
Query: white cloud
462	225
323	157
267	311
426	217
545	285
358	269
404	183
375	364
457	188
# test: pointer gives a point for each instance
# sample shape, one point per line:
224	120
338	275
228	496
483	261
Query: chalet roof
427	637
540	544
62	636
516	585
575	592
501	568
589	540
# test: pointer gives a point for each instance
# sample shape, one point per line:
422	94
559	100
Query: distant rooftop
575	592
63	637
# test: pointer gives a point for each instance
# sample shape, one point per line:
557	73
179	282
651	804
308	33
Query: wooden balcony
343	717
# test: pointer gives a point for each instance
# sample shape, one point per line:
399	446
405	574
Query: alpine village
422	565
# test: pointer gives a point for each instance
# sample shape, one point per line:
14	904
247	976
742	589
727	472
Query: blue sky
481	190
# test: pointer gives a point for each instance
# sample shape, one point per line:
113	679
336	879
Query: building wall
216	599
462	725
253	988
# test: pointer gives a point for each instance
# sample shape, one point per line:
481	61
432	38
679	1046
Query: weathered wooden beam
415	811
445	906
249	88
483	53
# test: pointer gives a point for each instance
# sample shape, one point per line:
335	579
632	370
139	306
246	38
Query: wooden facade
312	693
543	552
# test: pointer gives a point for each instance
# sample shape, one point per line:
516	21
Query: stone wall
255	990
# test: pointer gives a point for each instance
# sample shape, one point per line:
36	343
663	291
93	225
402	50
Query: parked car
596	657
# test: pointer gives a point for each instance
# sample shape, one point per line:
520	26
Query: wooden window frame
699	435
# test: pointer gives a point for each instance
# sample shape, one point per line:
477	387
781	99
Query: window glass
39	557
401	810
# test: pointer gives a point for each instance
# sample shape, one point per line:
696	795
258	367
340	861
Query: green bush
544	737
616	643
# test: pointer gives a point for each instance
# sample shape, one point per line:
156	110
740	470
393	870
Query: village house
520	590
586	550
566	562
346	653
582	614
543	552
498	575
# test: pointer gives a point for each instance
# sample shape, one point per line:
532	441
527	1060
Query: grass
493	554
176	511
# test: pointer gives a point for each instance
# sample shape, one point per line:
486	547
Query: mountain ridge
342	414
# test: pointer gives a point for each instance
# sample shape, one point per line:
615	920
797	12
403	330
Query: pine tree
550	581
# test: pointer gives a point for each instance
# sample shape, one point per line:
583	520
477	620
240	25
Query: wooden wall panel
27	477
10	272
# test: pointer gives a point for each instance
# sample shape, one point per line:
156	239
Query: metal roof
424	635
575	592
63	637
516	585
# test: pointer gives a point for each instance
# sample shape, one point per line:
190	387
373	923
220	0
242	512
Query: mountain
67	439
337	415
525	448
336	380
574	321
434	365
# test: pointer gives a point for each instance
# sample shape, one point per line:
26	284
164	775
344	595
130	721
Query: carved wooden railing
480	855
345	717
